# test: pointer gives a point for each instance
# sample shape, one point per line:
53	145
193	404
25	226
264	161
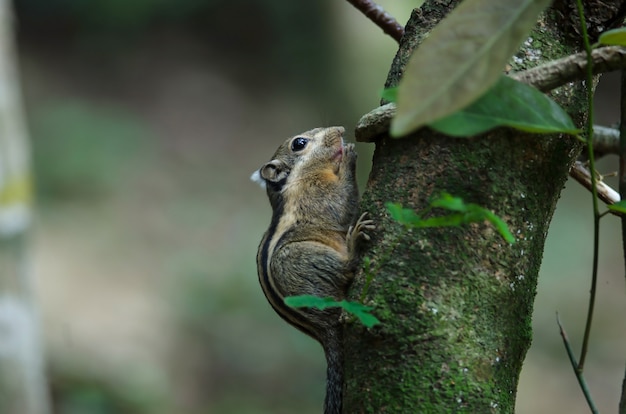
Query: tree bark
22	382
456	303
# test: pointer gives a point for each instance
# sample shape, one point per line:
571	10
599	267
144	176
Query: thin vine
594	190
579	366
572	358
622	192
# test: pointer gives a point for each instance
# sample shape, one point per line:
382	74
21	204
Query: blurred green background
147	118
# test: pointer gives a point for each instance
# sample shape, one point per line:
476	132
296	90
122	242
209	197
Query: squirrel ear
274	172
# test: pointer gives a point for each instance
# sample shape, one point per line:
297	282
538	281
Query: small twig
378	15
577	372
572	68
581	174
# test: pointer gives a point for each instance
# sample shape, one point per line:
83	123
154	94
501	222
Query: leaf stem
594	190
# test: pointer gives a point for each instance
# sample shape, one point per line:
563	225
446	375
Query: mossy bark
456	303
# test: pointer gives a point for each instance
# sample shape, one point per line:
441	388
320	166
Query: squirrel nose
341	130
335	132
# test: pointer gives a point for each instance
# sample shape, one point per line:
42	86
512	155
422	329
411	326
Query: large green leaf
509	103
461	59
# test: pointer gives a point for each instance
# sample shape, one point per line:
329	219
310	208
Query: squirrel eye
298	144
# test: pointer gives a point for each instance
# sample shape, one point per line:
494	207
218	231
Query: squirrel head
311	152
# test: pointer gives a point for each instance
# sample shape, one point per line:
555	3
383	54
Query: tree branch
374	123
572	68
605	140
380	17
581	174
545	77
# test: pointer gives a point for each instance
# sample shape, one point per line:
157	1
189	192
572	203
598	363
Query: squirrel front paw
349	154
358	231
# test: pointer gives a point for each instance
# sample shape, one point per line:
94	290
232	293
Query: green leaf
367	319
395	211
500	226
615	37
361	312
509	103
466	213
461	59
451	220
390	94
619	207
404	216
357	309
449	202
309	301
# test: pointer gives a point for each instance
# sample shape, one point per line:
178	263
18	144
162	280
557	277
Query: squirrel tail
333	348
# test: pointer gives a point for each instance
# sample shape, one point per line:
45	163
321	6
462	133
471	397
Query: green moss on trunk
455	303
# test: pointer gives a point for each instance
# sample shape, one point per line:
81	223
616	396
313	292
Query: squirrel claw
358	230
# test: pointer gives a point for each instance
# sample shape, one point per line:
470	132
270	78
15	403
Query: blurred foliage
83	151
87	53
218	316
83	398
76	395
286	42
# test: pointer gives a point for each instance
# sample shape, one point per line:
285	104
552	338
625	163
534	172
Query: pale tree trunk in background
22	380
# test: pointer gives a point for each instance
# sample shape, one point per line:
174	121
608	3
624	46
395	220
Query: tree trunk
456	303
22	383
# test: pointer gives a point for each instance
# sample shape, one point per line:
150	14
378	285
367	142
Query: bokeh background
147	118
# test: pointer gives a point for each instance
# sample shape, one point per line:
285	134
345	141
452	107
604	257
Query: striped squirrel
310	247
